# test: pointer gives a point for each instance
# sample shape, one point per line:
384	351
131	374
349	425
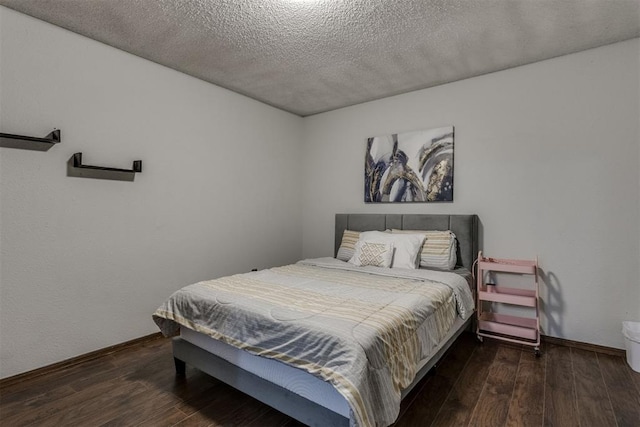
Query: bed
325	381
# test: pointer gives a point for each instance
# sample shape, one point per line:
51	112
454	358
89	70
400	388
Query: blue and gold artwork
410	167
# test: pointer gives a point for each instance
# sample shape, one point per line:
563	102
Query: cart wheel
480	338
537	351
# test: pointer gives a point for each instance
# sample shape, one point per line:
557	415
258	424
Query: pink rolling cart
517	329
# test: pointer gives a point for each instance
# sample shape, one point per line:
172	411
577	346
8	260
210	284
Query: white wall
85	262
546	154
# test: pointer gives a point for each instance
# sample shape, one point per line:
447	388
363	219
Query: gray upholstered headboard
465	227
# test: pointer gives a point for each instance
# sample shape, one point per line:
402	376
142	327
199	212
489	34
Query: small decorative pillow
438	250
371	253
406	247
348	245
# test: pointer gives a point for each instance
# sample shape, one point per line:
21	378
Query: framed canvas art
410	167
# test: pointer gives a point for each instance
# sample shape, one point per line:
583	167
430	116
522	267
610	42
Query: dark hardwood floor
489	384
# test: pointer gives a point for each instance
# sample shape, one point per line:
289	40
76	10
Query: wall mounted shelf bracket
77	169
8	140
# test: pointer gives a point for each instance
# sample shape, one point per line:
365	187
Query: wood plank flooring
489	384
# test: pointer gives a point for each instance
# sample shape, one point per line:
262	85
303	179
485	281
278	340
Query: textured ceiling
307	56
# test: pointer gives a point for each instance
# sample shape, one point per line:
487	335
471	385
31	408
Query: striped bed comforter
360	328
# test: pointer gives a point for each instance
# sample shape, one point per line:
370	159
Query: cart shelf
508	265
522	297
515	326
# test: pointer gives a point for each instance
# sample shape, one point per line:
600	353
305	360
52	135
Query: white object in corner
631	332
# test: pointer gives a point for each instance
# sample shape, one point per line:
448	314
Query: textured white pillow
405	246
372	253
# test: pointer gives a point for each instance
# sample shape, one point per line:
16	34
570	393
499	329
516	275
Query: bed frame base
277	397
181	367
285	401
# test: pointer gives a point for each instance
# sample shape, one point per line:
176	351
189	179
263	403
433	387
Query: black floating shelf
77	169
8	140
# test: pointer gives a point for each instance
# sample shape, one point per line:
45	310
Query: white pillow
371	253
405	246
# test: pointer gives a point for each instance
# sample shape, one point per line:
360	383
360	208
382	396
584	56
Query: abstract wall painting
410	167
